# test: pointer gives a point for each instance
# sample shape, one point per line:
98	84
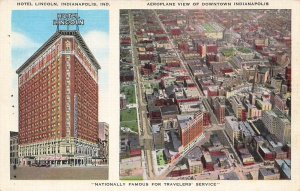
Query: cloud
20	41
98	42
22	48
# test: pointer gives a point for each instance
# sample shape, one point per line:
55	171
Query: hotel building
190	128
58	102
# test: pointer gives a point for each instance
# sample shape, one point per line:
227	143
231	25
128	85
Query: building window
67	149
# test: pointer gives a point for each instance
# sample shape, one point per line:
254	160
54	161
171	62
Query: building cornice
52	39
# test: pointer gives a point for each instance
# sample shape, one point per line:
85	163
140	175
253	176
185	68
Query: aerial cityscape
205	94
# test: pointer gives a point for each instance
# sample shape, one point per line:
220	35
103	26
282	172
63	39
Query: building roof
194	163
265	149
181	167
184	120
13	133
207	157
167	153
266	172
285	166
156	128
175	141
169	110
233	123
229	176
126	73
273	140
259	139
133	141
52	39
263	70
195	153
249	128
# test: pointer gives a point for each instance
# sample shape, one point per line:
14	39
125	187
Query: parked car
34	164
44	165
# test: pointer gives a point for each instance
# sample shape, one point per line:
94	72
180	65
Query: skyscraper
58	102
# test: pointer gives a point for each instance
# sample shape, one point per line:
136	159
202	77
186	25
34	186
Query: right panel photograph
205	94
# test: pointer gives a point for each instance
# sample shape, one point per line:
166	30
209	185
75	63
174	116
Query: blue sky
32	28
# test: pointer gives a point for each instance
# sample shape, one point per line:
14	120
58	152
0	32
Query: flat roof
266	172
207	157
229	176
169	110
13	133
233	122
184	120
249	128
176	143
265	149
195	153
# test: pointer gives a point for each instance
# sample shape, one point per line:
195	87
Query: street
184	64
143	122
60	173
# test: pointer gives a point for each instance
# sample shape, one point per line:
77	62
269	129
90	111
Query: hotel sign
68	19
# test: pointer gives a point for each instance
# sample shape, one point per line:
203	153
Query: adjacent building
267	174
14	148
278	124
103	137
218	104
237	107
232	128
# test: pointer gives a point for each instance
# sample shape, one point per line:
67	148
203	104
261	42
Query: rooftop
169	110
175	140
285	166
184	120
52	39
229	176
266	172
13	133
233	122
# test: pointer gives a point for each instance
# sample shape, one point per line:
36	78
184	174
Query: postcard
145	94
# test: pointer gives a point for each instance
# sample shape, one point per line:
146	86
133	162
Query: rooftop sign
68	19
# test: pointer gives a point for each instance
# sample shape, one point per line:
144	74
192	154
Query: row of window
40	106
30	152
32	137
34	71
44	78
33	117
39	93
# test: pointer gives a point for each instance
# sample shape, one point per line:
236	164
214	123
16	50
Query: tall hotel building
190	128
58	102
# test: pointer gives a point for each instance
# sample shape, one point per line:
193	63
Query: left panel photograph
61	62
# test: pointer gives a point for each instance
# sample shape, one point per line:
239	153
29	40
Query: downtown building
103	137
190	129
278	124
58	103
14	160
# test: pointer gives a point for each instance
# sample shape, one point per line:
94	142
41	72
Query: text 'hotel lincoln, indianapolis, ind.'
58	103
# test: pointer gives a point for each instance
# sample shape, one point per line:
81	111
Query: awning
56	158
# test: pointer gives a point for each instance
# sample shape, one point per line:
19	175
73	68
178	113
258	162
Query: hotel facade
58	103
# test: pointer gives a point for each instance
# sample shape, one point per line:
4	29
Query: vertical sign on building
75	116
68	95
